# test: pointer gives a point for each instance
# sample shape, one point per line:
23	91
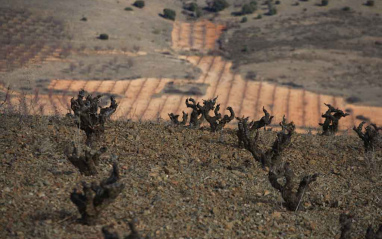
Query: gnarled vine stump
88	117
292	199
86	160
332	117
271	157
174	119
95	198
196	117
370	137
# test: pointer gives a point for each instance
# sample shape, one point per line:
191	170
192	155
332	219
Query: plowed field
144	99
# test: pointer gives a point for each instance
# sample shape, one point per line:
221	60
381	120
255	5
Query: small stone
266	192
312	226
146	212
312	162
229	225
215	211
327	197
276	215
357	187
41	194
7	189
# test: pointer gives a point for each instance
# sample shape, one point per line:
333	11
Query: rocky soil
182	183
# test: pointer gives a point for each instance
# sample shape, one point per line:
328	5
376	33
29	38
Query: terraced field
144	99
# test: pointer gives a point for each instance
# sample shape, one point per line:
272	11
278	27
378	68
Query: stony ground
182	183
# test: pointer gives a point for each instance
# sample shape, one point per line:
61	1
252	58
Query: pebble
276	215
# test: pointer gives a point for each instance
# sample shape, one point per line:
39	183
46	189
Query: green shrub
244	19
271	8
324	2
278	2
248	8
259	16
103	36
139	4
272	11
169	14
370	3
218	5
191	7
346	9
128	9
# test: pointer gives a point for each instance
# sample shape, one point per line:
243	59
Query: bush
271	8
244	19
249	8
272	11
218	5
259	16
169	14
346	9
277	2
103	36
191	7
324	2
370	3
128	9
139	4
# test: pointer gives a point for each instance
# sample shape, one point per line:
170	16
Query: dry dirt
182	183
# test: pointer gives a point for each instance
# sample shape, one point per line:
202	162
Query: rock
311	226
276	215
146	212
312	162
229	225
215	211
266	192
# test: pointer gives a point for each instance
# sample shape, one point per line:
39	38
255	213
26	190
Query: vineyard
112	120
145	99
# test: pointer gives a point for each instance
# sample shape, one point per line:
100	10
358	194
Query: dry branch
86	160
88	118
370	137
174	118
95	198
332	117
271	157
292	199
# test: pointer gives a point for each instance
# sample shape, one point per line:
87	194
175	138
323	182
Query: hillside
182	183
288	57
